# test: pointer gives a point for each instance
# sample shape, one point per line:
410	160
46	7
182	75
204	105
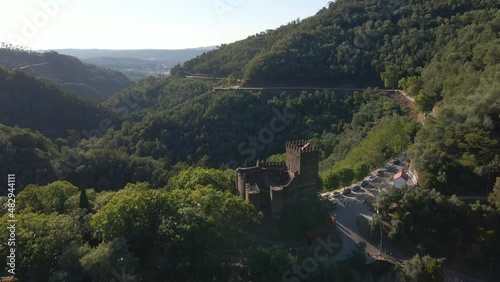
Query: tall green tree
57	197
41	240
194	176
268	265
423	269
494	197
84	200
391	76
110	260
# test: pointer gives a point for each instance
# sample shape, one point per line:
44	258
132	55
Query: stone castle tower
302	159
272	186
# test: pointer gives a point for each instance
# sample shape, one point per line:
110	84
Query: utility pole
371	230
381	234
491	264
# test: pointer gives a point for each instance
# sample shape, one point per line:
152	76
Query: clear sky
147	24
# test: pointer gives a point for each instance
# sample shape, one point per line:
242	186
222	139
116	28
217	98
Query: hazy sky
135	24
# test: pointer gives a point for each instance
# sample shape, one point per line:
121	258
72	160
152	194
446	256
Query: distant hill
84	80
136	64
348	42
143	54
30	103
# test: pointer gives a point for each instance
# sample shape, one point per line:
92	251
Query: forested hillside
459	150
84	80
29	102
170	123
152	197
348	42
444	53
192	131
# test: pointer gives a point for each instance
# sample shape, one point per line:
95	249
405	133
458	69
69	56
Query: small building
400	179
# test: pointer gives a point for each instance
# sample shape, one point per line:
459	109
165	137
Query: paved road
349	232
348	208
241	88
29	66
285	88
353	204
402	92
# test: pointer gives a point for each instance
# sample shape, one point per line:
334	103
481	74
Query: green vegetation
42	161
69	73
302	217
29	152
189	131
81	218
422	269
269	265
388	138
494	197
193	176
135	230
428	218
458	151
27	102
391	76
348	42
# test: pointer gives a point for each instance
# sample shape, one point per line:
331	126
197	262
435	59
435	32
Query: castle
272	186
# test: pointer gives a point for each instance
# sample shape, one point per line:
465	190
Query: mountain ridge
136	63
84	80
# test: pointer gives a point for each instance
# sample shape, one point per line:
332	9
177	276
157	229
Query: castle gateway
272	186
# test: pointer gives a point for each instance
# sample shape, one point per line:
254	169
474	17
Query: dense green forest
459	150
143	234
346	42
427	218
166	130
141	186
69	73
31	103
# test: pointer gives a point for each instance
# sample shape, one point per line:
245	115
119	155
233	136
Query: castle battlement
301	146
274	164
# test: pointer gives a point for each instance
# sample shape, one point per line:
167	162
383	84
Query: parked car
355	188
336	194
365	183
395	162
371	178
380	172
335	202
387	166
346	191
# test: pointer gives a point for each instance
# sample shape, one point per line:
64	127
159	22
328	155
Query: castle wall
254	197
297	177
277	195
240	184
305	161
308	177
293	156
274	165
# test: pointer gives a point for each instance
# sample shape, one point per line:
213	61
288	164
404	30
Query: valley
358	144
136	64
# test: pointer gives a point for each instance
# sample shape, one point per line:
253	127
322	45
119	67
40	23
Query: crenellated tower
302	159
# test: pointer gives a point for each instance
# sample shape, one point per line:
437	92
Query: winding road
354	205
